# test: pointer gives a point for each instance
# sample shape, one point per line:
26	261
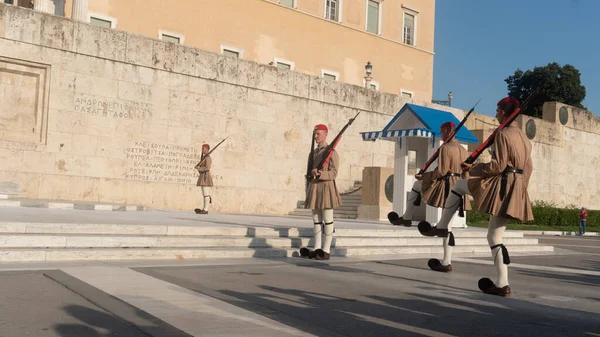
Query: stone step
354	203
77	205
345	205
237	231
352	197
338	211
123	241
335	216
75	254
8	196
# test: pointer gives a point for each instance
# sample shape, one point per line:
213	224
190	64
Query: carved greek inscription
148	161
115	108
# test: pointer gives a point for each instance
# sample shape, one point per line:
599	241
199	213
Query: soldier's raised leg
414	199
443	228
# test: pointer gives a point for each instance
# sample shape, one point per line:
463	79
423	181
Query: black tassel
461	206
451	240
417	201
505	256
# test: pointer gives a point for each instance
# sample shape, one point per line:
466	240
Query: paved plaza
554	293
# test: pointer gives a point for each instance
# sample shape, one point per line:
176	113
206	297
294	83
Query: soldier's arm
443	164
206	167
499	160
332	171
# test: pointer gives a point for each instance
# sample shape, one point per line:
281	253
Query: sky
479	43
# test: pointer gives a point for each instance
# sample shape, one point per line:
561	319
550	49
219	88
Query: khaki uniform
323	193
512	149
205	178
436	186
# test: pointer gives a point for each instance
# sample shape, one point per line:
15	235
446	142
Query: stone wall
566	156
95	114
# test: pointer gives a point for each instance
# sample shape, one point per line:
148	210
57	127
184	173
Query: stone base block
373	212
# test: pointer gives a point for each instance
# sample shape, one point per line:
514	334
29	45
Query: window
333	10
406	94
409	29
330	75
287	3
283	64
170	37
373	16
102	20
412	163
232	51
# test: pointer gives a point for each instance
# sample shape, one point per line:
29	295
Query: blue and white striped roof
419	121
389	134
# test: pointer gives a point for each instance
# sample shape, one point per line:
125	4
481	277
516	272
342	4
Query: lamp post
450	98
368	70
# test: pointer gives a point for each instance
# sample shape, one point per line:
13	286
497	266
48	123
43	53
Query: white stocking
328	219
206	194
317	223
453	202
447	249
414	194
496	228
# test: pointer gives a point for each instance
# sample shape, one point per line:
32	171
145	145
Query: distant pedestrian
582	221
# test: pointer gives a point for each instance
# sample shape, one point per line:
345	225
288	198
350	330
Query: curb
559	233
70	205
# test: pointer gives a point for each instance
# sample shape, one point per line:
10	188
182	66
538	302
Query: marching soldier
499	189
433	188
204	180
322	195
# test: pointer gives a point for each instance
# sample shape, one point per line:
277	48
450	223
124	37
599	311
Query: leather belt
447	183
505	173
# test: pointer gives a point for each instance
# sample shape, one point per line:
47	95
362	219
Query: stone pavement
10	214
553	295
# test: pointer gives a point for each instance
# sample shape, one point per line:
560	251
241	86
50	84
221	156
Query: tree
555	83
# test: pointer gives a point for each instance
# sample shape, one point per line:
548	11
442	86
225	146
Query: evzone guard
205	181
322	195
433	187
499	188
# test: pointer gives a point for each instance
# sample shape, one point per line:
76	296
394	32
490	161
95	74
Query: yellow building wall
266	30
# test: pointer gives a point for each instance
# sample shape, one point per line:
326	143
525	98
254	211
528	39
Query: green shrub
545	214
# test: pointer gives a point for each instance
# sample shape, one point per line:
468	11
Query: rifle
332	147
209	152
310	161
490	140
449	138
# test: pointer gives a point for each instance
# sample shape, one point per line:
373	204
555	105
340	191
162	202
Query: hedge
545	214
